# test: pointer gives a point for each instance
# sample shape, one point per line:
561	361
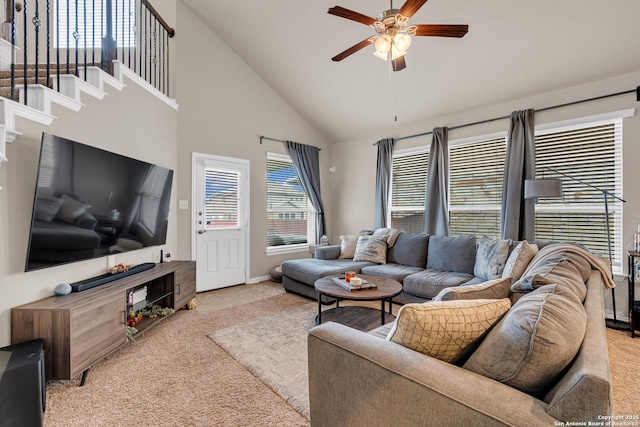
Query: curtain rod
276	140
636	91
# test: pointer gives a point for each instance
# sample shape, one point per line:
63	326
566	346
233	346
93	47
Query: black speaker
22	384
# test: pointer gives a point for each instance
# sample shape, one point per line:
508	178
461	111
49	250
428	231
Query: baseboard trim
258	279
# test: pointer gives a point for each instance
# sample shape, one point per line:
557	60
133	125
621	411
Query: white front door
220	220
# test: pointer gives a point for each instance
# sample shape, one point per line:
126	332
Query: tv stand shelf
81	328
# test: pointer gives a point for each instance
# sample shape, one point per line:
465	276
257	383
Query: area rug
274	349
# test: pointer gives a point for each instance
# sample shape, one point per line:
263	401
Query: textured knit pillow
534	342
491	257
493	289
371	249
446	330
71	209
519	260
348	244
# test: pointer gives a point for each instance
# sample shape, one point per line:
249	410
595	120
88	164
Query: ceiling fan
393	32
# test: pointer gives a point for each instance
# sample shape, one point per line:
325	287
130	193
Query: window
592	153
475	187
123	17
290	217
222	198
408	189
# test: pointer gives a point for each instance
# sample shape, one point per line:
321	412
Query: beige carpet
274	349
174	375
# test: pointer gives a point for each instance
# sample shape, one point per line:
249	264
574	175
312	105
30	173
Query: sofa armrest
327	252
86	220
358	379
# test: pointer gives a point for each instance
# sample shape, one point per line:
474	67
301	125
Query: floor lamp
552	188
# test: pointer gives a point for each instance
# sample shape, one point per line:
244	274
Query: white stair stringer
98	78
40	98
73	87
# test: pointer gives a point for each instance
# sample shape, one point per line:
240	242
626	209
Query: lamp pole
606	195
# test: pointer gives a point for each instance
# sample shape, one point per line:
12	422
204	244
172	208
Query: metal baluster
36	24
24	48
155	52
139	36
93	32
58	42
76	36
168	62
13	43
145	44
49	42
68	50
84	36
129	47
164	59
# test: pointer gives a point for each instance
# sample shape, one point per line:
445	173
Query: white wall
353	183
224	106
150	135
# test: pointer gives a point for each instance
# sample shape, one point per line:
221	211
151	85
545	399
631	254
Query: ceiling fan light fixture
383	44
382	56
397	53
402	41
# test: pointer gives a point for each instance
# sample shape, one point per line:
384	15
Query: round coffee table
358	317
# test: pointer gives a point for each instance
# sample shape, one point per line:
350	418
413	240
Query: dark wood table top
386	288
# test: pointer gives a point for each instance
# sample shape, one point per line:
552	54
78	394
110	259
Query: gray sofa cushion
429	283
409	249
309	270
492	289
452	253
535	341
392	271
328	252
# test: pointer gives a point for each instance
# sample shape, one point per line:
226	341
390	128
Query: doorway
220	220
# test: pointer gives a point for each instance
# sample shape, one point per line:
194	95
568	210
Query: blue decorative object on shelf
62	289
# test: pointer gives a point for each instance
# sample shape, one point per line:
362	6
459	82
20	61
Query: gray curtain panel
306	161
383	180
518	213
436	210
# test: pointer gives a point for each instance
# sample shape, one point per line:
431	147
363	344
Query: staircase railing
79	34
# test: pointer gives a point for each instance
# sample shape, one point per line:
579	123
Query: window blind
475	187
288	211
123	13
408	191
593	154
222	198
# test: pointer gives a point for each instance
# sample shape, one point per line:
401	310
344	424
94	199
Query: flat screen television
91	203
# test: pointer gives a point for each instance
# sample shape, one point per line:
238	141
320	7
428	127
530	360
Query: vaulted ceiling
514	48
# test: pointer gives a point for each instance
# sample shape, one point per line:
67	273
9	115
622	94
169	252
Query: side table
634	306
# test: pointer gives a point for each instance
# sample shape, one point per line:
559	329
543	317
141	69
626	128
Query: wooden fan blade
350	14
353	49
411	7
399	63
442	30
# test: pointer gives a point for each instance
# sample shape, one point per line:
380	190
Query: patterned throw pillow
446	330
519	260
348	244
493	289
491	257
371	249
71	209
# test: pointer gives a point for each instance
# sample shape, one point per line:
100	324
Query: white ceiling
514	48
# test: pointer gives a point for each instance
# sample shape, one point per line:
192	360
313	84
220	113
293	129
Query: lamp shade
542	188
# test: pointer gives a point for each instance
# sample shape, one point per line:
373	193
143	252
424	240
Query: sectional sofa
525	349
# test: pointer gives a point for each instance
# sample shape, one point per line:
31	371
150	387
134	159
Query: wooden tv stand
81	328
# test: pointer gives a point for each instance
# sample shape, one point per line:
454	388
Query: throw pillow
371	249
47	207
71	209
493	289
348	244
519	260
452	253
534	342
491	257
410	249
391	233
554	269
446	330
